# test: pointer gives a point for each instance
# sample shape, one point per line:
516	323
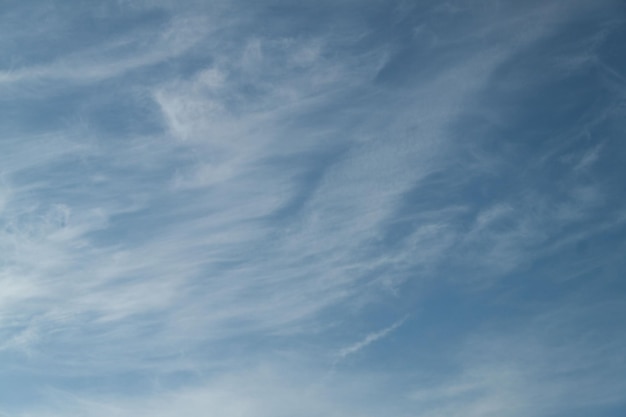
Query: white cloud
118	250
369	339
116	57
267	390
312	262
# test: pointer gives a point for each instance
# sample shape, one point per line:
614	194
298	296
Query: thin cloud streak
369	339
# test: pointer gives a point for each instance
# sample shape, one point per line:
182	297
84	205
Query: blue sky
314	208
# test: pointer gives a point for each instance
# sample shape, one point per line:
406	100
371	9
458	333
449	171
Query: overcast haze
340	208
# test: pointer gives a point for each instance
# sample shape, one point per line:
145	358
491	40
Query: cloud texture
272	208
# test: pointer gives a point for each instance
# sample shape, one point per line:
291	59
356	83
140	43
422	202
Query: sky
272	208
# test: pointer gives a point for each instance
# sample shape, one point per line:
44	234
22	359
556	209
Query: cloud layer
330	208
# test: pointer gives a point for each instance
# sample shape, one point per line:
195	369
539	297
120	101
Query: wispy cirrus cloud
369	339
220	185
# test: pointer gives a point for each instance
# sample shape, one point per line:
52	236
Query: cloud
369	339
115	58
267	390
293	179
223	137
